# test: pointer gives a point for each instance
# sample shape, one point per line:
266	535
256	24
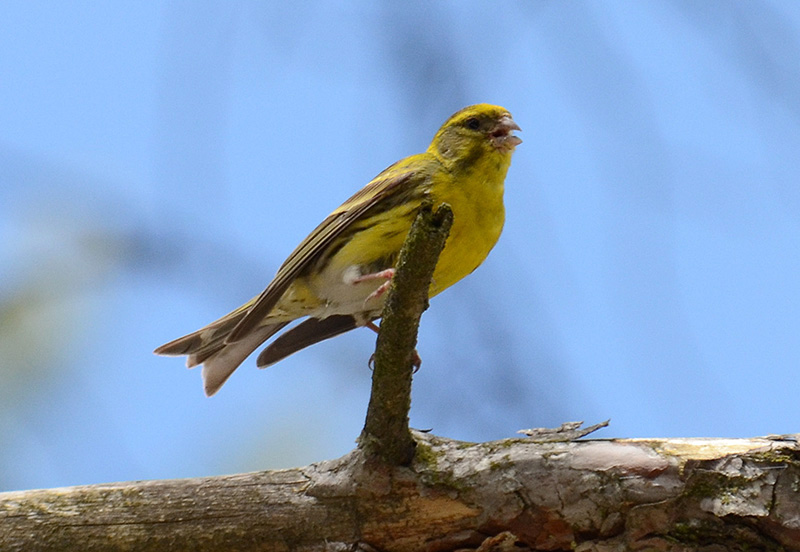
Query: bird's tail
219	365
208	346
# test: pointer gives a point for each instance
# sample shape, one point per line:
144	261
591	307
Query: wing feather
385	185
306	333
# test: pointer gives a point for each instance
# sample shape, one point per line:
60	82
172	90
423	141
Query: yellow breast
476	197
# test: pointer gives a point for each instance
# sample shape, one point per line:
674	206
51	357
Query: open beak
501	136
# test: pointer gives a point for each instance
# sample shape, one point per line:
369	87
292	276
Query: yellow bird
337	276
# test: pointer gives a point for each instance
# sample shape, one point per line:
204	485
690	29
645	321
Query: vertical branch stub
386	434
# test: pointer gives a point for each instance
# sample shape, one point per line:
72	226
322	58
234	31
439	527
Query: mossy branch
386	434
692	495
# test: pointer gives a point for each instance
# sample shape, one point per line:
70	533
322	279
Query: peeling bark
598	495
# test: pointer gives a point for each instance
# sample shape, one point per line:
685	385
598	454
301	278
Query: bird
336	278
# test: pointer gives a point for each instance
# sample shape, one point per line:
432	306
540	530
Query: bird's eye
473	123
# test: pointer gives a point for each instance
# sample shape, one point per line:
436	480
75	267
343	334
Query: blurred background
158	161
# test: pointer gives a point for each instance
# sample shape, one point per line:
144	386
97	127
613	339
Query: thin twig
386	434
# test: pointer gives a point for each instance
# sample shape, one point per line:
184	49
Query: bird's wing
391	182
308	332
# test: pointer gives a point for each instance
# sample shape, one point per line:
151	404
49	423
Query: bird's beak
501	134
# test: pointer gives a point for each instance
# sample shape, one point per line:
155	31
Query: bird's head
474	130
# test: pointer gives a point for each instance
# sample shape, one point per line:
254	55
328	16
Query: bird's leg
387	275
417	362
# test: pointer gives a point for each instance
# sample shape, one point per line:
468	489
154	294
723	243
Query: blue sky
158	160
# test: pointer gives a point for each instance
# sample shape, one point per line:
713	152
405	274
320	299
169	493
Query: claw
416	361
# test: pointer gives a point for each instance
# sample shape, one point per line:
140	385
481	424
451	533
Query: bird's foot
417	361
387	275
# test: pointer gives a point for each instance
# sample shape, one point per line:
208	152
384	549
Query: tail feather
204	338
219	365
195	359
182	346
207	346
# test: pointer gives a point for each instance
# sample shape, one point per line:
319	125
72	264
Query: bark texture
515	494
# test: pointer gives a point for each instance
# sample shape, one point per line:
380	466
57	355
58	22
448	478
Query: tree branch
386	434
636	494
